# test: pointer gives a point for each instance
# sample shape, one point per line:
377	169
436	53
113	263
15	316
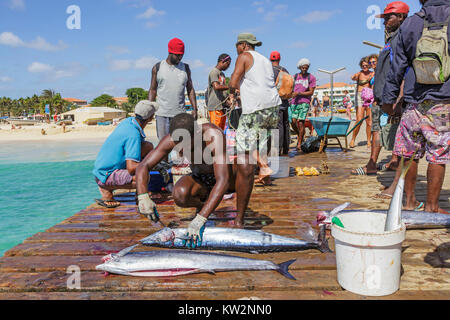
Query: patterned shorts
117	178
425	128
255	128
298	111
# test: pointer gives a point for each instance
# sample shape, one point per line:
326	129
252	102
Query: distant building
121	100
338	91
77	102
93	115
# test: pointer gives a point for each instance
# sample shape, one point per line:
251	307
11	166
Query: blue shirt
122	145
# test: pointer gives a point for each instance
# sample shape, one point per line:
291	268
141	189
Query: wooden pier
37	268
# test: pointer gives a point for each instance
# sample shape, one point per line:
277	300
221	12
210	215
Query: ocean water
43	183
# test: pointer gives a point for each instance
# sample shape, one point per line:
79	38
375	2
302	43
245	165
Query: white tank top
258	90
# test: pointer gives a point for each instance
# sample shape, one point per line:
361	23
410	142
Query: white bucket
368	259
279	166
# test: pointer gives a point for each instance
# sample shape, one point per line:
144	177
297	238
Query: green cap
250	38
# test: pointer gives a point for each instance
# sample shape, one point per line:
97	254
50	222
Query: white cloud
5	79
195	64
278	10
54	73
17	4
150	12
10	39
146	62
37	67
317	16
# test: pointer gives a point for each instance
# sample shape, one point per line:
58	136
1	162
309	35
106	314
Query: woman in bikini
363	79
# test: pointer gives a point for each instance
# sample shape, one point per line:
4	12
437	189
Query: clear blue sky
120	40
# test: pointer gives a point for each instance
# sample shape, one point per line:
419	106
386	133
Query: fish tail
283	268
322	240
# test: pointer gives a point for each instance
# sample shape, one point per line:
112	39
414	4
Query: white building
338	91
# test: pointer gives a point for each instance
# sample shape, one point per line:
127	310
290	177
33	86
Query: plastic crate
156	182
338	126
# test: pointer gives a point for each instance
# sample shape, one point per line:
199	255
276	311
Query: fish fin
283	268
403	169
124	251
339	208
322	240
254	252
211	271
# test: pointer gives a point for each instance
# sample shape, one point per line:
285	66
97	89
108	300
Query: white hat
303	62
146	109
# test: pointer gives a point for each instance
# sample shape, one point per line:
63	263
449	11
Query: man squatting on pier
211	177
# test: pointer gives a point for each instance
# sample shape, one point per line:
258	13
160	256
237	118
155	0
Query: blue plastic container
156	182
338	126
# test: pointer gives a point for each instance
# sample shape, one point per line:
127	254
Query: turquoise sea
43	183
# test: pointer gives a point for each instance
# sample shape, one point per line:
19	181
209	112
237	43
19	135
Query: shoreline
78	133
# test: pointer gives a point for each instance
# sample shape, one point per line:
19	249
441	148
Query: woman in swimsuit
363	78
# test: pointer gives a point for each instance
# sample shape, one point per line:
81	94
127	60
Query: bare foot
352	144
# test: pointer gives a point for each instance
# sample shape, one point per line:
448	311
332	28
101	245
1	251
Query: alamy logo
74	281
74	20
372	21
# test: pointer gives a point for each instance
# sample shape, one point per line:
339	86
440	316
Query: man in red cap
383	132
283	122
170	78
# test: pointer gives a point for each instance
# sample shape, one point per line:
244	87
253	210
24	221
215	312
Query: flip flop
360	172
383	196
420	207
103	203
383	167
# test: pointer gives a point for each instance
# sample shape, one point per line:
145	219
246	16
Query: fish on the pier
412	219
253	241
168	263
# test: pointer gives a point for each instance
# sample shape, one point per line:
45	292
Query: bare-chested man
212	175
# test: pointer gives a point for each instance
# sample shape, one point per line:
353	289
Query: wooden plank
223	295
222	281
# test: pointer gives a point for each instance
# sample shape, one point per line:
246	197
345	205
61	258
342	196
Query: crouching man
121	153
205	147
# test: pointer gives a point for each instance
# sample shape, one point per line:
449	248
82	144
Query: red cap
176	46
275	56
395	7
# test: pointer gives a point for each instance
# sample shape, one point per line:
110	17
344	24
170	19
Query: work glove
147	207
195	231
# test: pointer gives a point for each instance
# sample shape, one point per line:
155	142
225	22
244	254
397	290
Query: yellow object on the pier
298	171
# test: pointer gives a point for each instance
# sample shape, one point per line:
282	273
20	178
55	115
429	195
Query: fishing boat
23	122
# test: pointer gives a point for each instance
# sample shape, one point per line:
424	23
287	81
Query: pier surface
38	268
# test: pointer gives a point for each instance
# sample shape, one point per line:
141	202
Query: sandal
383	167
383	196
361	172
104	203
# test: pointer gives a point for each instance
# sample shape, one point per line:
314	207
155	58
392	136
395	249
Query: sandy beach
55	133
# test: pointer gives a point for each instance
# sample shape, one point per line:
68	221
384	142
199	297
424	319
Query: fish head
162	236
323	217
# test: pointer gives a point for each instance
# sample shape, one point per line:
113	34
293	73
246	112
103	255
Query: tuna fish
412	219
394	214
168	263
253	241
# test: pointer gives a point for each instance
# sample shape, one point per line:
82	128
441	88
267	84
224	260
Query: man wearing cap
122	152
217	91
170	78
283	122
424	126
253	77
394	15
304	87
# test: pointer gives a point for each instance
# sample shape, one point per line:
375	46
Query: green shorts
255	128
298	111
387	136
